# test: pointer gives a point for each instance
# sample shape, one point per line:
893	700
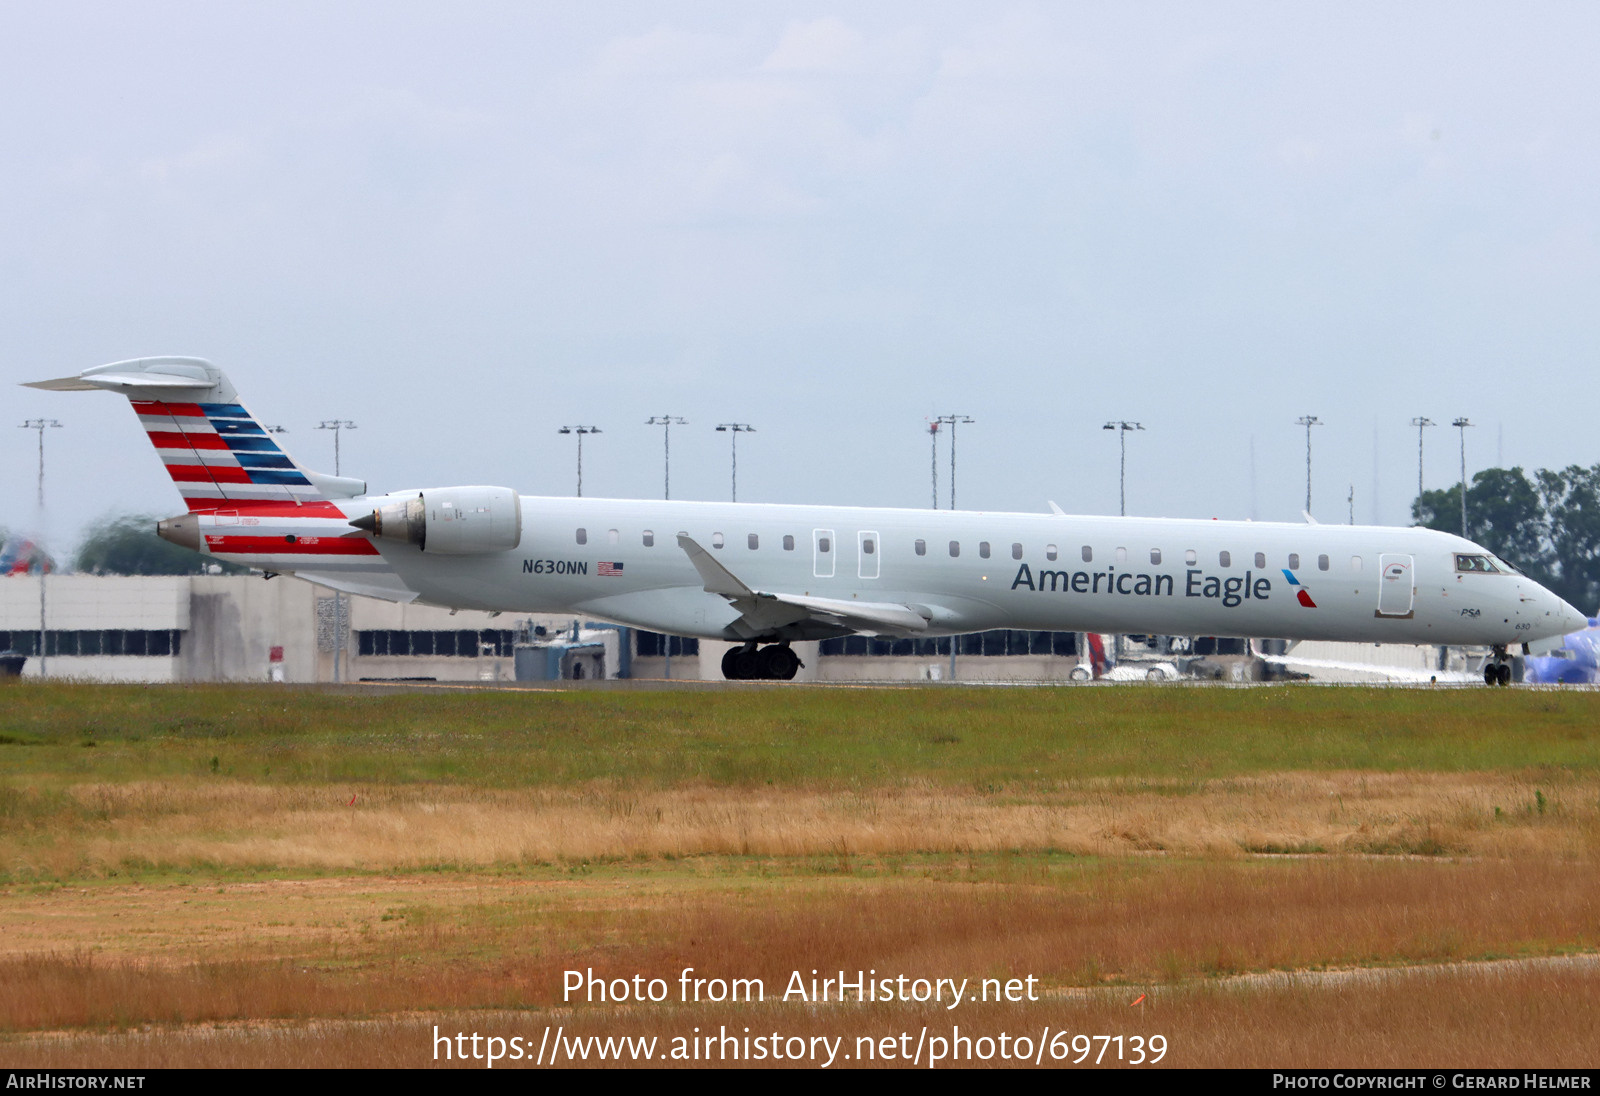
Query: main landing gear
1497	671
774	663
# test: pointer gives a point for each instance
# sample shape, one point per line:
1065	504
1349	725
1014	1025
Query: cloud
822	45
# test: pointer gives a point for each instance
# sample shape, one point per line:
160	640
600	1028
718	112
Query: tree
126	544
1571	499
1505	514
1549	526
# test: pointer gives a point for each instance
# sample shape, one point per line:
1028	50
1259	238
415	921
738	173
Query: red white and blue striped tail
217	452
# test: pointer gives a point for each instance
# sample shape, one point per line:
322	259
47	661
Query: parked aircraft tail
21	556
214	449
1099	661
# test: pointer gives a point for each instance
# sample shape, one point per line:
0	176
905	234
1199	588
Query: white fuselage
621	560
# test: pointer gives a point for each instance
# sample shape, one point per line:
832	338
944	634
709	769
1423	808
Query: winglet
1309	519
1056	510
717	578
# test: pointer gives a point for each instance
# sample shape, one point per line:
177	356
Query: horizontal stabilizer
117	381
217	453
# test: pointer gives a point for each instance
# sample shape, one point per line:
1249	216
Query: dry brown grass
1455	1018
261	924
361	946
218	823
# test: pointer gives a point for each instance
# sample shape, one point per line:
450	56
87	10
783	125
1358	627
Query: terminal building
200	628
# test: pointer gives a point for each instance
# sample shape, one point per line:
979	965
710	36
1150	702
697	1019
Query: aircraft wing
762	612
1370	670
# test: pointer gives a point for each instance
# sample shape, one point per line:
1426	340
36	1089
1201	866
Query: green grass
988	739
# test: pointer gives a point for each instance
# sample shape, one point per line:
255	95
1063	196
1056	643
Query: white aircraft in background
766	575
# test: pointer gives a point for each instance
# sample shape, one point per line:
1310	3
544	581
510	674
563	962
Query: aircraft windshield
1484	564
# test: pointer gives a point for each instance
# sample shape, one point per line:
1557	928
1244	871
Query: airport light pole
734	429
1308	421
953	421
1461	424
1421	423
933	458
41	425
580	431
1122	429
666	422
337	426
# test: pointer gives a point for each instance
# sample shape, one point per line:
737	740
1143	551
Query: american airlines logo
1300	593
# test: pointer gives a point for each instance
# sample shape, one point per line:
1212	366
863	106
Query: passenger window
955	548
1155	555
1190	557
1050	552
788	542
1355	563
824	544
1225	559
754	541
1294	561
983	549
613	536
1322	563
867	547
1261	560
716	540
1122	555
1088	554
922	547
583	536
649	538
1016	551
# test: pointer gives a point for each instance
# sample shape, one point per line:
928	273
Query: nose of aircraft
1552	616
1571	619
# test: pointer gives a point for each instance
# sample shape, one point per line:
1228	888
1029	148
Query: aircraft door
1396	586
822	552
867	554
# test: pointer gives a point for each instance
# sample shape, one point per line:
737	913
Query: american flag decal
610	568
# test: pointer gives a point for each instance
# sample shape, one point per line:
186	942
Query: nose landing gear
772	663
1497	671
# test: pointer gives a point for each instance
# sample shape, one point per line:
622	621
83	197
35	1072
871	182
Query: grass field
270	876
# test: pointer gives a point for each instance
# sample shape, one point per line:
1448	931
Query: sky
465	225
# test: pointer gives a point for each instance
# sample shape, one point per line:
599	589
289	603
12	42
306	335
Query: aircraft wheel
1503	674
730	669
747	665
779	663
1491	674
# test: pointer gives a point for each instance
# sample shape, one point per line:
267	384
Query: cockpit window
1481	563
1507	565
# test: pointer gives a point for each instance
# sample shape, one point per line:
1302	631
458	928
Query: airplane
19	556
1575	662
765	576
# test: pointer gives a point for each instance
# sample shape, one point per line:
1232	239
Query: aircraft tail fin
1099	662
214	449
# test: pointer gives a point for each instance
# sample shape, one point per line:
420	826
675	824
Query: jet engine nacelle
451	521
